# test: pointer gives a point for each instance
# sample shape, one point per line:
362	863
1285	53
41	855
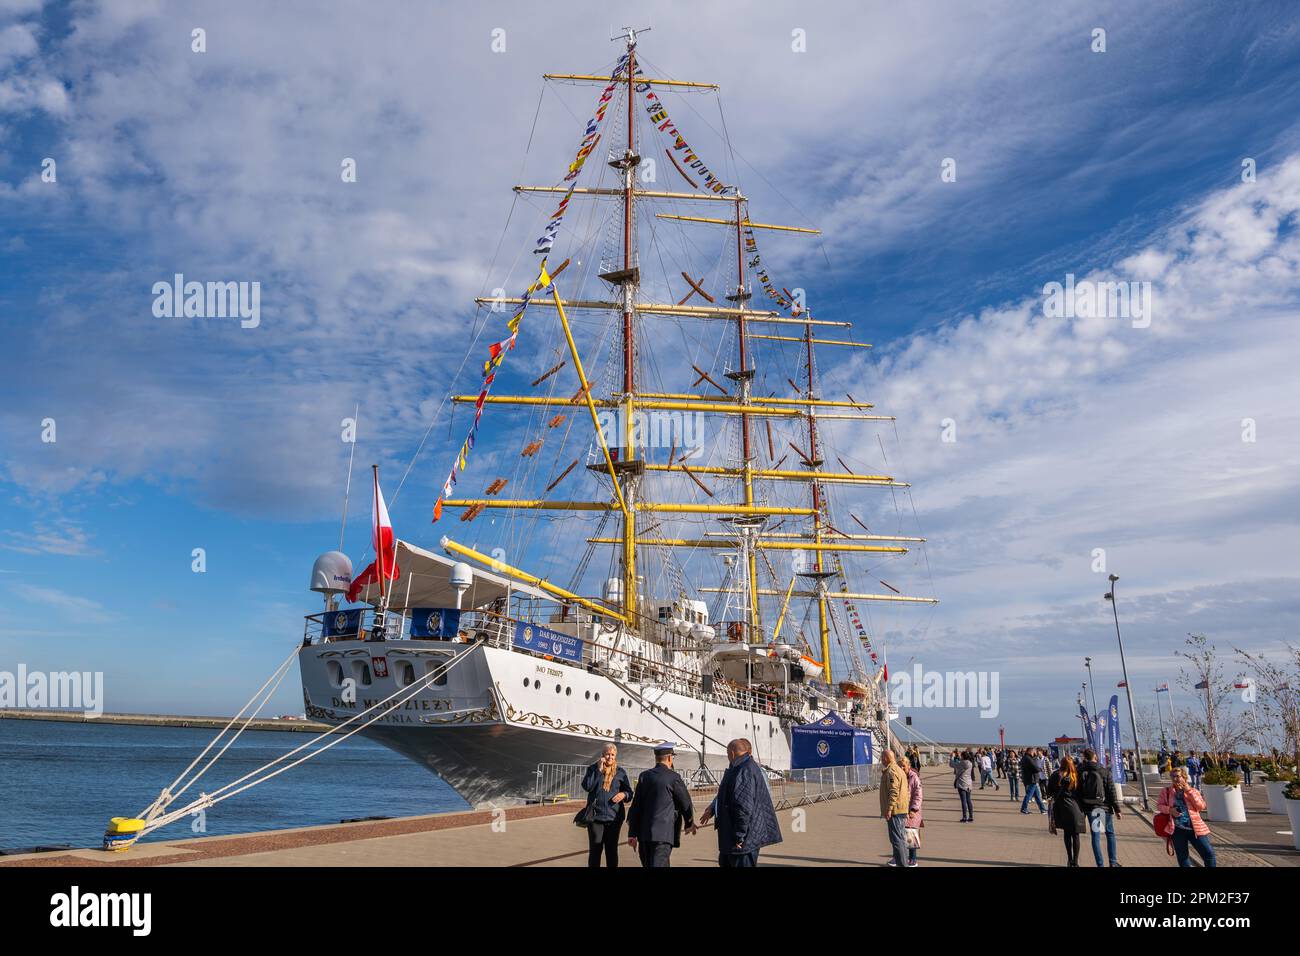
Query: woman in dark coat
1067	813
609	792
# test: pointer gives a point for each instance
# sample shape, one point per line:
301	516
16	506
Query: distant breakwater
160	720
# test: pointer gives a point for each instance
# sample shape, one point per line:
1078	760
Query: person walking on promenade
660	805
1246	769
893	806
1194	769
1067	814
914	821
1029	776
1044	769
1100	804
746	818
608	795
1012	763
1184	804
964	780
986	763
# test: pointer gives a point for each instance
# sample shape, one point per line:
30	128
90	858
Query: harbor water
61	782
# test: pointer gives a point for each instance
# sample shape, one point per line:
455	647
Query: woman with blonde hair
1067	813
609	793
1184	805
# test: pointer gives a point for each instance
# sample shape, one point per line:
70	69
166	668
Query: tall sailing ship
674	468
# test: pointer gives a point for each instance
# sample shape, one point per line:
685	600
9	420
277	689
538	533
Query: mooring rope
225	792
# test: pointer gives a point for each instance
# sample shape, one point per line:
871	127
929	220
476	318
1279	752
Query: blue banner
1113	744
829	742
542	640
341	623
435	622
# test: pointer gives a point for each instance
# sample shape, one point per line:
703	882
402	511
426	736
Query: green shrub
1292	791
1220	777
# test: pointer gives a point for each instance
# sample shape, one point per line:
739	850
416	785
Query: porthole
335	671
568	692
597	697
557	688
588	695
527	682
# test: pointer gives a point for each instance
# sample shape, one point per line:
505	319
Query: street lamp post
1128	690
1087	662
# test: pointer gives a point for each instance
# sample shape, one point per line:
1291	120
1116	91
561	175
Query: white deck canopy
426	582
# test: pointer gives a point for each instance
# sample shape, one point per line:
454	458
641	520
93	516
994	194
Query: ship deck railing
560	782
497	630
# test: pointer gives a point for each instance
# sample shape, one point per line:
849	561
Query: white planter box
1276	802
1293	811
1223	804
1150	769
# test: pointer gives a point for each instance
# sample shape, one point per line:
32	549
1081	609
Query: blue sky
224	165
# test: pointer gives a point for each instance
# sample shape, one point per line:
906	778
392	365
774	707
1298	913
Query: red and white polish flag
384	542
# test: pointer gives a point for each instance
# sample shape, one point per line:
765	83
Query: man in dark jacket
1100	803
659	805
743	806
1029	774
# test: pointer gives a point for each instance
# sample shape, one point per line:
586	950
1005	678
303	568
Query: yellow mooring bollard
122	832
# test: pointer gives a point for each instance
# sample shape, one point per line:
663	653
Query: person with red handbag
1178	819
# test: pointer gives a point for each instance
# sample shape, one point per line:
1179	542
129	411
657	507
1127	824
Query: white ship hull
501	713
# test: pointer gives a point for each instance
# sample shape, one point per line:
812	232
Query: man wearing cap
659	805
746	819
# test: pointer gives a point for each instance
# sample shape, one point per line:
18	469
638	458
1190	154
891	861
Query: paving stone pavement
843	832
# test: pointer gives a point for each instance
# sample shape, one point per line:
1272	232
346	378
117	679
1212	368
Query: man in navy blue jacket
743	806
660	805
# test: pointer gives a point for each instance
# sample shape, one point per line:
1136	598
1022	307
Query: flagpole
347	489
379	538
381	614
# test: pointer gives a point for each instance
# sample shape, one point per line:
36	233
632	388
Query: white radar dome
332	573
462	575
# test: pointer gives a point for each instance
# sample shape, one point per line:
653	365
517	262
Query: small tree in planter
1216	725
1291	797
1222	792
1276	688
1212	722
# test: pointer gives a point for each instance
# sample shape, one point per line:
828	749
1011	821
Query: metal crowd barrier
558	782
